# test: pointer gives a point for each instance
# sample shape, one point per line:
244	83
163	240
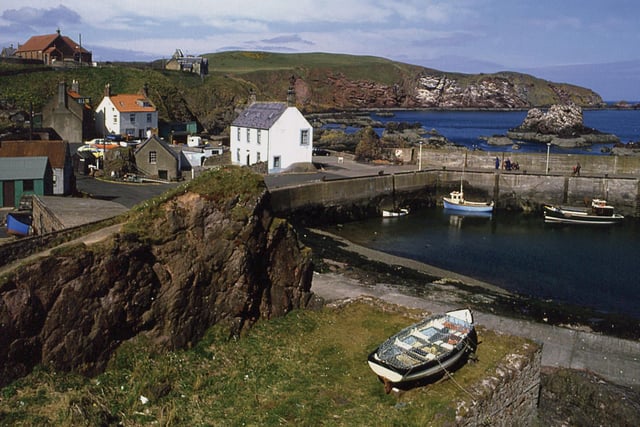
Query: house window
304	137
238	154
132	117
258	155
27	185
259	135
238	134
276	162
153	157
248	135
148	117
115	119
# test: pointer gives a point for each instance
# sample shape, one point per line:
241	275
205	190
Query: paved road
127	194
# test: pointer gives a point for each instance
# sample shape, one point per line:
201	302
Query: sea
595	267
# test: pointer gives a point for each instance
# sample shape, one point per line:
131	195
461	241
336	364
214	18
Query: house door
248	163
8	194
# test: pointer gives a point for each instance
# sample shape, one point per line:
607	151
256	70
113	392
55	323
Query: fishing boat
19	223
396	211
392	213
425	350
599	213
456	201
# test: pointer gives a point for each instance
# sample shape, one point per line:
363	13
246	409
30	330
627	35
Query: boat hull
425	350
557	215
19	224
395	213
467	206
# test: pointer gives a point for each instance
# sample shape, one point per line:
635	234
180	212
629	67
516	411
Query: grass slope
308	368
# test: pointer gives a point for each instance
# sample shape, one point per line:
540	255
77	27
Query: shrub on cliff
369	147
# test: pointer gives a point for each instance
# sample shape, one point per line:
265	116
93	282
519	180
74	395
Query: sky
591	43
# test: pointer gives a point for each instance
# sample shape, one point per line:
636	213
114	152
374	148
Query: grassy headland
307	368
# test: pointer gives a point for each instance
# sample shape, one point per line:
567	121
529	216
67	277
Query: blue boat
19	223
457	202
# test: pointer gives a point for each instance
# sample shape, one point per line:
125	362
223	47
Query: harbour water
593	267
596	267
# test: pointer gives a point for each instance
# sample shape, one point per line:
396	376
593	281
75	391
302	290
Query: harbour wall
510	397
529	162
360	197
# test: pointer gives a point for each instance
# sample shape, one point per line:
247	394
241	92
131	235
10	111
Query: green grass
230	187
308	368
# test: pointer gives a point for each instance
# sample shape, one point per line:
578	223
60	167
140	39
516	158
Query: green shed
21	176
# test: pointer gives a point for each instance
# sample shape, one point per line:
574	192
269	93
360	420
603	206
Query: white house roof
260	115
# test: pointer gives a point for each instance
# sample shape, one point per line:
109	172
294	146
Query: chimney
252	96
62	94
107	90
291	97
291	92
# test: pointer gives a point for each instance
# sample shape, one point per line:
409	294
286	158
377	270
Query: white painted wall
250	146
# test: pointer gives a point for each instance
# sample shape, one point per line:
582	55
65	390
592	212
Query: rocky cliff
326	82
210	252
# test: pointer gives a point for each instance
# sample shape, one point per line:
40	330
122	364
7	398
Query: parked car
321	152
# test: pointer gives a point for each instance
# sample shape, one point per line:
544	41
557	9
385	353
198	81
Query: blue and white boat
457	202
425	350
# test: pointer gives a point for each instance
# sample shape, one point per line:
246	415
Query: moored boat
599	213
392	213
456	201
426	349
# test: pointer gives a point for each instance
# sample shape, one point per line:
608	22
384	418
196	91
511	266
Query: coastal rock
560	125
211	253
557	120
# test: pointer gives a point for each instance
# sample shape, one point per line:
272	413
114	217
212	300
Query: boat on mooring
599	213
393	213
457	202
425	350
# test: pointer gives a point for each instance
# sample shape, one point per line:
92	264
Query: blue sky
589	43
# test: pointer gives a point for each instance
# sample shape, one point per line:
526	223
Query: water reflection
458	218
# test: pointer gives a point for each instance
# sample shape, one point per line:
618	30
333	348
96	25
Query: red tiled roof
37	43
126	103
42	43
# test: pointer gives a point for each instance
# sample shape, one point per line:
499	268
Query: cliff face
201	257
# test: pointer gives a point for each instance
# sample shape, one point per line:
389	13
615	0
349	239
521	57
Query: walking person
497	163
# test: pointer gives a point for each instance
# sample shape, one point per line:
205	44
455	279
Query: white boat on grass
425	350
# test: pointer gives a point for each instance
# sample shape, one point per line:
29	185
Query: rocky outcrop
560	125
559	120
211	253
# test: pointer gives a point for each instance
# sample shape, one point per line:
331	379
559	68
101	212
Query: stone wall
533	163
508	398
356	198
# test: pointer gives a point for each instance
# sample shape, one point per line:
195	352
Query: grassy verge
308	368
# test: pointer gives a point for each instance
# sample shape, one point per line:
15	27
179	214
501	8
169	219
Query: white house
132	115
271	132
